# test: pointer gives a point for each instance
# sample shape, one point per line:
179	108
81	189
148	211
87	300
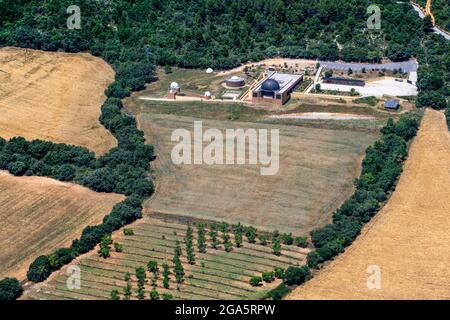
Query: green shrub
255	281
296	275
40	269
279	292
267	277
301	242
10	289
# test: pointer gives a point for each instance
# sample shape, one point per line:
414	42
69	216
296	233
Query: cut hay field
216	274
54	96
38	215
408	240
317	169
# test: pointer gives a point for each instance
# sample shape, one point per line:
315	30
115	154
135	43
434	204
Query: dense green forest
441	11
215	33
135	35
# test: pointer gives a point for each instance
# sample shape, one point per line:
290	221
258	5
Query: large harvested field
409	239
317	169
216	274
38	215
54	96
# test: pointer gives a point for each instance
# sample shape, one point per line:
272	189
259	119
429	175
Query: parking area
377	88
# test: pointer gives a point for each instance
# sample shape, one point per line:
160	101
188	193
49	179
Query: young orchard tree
152	266
250	233
238	231
255	281
189	246
213	235
154	295
226	242
201	241
166	274
276	247
115	295
127	289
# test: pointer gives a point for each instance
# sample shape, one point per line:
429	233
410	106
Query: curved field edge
122	170
54	96
40	214
408	239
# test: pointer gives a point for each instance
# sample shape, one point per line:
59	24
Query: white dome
207	94
174	86
209	70
235	78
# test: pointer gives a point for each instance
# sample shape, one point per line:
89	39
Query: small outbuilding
392	104
235	82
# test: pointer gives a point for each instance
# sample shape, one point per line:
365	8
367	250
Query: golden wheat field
38	215
54	96
408	240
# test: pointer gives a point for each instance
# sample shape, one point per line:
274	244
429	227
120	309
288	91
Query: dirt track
38	215
409	239
54	96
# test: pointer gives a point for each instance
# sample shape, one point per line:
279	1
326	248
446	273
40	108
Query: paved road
406	66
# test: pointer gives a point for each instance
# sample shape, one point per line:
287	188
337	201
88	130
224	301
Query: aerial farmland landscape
224	150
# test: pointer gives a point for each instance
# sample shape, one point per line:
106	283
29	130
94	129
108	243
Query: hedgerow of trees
381	169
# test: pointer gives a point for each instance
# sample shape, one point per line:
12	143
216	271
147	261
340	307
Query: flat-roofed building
276	88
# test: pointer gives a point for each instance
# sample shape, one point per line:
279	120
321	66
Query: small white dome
207	94
235	78
209	70
174	86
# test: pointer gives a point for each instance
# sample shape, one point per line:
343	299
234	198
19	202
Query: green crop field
216	274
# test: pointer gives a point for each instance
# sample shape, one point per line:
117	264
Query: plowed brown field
409	239
54	96
38	215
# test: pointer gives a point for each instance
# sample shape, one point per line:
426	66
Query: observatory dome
270	85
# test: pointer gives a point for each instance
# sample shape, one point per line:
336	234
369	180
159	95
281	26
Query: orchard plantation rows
135	36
